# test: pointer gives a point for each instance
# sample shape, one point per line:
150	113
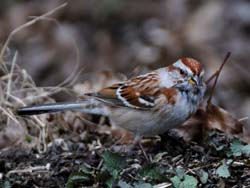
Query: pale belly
148	123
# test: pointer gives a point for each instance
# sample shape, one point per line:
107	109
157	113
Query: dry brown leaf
192	128
220	119
213	118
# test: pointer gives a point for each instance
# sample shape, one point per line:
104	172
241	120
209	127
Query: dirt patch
27	168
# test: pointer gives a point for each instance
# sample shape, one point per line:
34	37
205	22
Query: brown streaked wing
133	97
140	92
137	93
108	95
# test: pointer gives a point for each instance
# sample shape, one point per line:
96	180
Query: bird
146	105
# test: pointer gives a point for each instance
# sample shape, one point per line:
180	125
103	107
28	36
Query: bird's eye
182	72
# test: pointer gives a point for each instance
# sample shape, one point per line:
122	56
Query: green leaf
6	184
76	178
203	175
28	138
110	182
236	148
86	169
180	172
152	171
114	163
188	182
246	149
223	170
176	181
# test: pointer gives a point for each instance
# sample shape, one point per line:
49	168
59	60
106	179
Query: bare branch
217	76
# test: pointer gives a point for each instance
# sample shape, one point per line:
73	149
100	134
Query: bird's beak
193	81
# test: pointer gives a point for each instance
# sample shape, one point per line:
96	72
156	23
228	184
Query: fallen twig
45	168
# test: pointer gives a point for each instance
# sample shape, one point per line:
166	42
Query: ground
73	164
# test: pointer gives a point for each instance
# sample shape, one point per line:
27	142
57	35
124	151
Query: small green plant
28	138
223	171
152	172
182	180
113	163
203	176
83	177
237	149
5	184
186	182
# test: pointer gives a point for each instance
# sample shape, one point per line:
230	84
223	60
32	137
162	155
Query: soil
64	157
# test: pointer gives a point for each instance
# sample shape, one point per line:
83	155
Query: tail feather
88	106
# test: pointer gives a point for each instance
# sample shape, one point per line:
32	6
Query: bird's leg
124	142
130	143
137	140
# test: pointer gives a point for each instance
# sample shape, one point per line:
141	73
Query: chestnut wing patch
124	95
108	95
135	98
139	92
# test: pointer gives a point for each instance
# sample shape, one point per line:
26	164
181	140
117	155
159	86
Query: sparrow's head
190	80
185	71
189	70
186	76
